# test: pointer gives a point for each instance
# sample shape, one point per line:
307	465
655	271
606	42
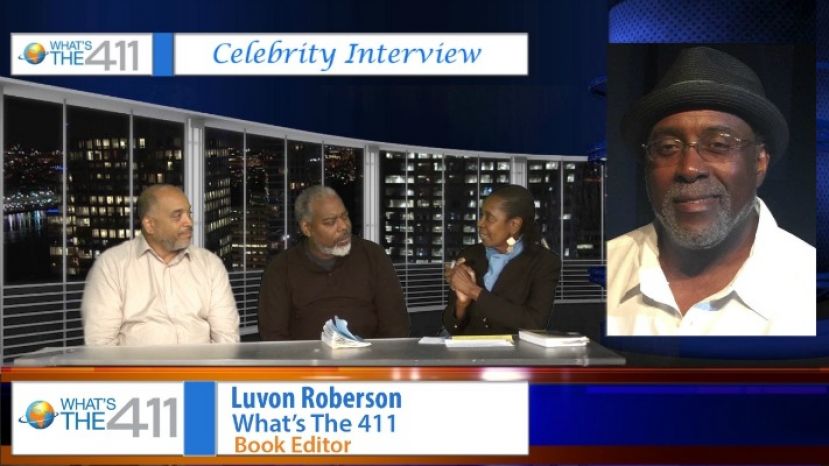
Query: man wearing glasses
714	261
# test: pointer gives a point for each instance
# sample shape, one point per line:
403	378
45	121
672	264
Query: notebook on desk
550	339
479	341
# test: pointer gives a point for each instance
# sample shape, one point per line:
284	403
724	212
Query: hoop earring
510	244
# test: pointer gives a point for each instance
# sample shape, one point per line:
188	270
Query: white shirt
773	293
132	297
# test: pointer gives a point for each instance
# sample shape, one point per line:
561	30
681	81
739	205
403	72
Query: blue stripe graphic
200	418
162	54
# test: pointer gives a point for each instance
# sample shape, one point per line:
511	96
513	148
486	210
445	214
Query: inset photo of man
711	190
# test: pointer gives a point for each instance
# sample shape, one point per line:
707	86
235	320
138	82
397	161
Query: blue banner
668	414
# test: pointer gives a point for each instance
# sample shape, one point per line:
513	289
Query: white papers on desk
431	341
479	341
553	339
335	334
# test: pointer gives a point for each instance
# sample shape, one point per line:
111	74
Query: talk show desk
400	352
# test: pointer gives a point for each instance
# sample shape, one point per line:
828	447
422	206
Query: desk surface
406	352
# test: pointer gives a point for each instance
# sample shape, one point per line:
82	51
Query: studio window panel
344	174
462	203
304	170
544	182
224	196
411	223
394	201
582	212
98	165
33	189
157	156
426	175
266	204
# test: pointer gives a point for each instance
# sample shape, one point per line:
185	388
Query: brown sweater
297	295
522	297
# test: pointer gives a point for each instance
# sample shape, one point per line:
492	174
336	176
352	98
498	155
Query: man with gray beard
330	273
714	261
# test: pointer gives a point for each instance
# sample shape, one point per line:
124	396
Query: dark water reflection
26	243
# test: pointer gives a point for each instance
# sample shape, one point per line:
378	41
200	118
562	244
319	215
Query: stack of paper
478	341
553	339
335	334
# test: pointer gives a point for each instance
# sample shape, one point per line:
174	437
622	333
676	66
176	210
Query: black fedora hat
705	78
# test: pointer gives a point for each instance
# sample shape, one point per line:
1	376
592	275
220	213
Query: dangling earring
510	244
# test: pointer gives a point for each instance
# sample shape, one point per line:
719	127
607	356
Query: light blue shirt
498	261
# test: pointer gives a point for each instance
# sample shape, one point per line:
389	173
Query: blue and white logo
34	53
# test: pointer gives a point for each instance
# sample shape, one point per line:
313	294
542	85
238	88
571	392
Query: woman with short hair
508	281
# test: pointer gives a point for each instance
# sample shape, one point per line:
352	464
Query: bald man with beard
158	289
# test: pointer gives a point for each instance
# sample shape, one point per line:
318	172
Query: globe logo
34	53
39	415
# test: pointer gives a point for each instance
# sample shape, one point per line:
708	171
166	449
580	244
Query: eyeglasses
712	147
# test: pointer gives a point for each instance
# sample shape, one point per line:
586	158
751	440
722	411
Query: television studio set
440	232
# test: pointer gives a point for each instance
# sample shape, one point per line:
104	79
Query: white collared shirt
132	297
773	293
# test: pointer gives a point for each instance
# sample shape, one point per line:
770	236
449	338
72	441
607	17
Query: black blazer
522	297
